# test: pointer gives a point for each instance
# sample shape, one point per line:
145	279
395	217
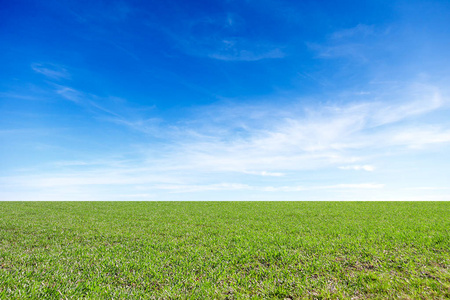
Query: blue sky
224	100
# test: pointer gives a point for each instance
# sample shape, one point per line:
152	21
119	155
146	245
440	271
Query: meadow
225	250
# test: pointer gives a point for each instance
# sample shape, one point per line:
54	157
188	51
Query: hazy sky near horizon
224	100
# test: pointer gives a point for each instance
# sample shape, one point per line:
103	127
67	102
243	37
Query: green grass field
225	250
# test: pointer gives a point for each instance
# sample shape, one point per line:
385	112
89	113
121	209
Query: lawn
225	250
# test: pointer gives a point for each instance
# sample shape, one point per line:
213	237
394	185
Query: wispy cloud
111	109
419	100
419	137
315	138
356	51
113	11
356	43
253	141
218	37
239	50
50	70
71	94
143	179
360	30
233	147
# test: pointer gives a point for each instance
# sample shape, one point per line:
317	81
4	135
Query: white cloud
219	37
420	99
419	137
145	180
113	11
203	188
368	168
51	70
352	50
317	138
429	188
233	52
359	43
265	173
70	94
351	186
358	31
217	149
354	186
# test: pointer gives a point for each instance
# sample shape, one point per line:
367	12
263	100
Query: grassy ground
225	250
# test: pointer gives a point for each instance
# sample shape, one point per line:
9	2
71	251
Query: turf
225	250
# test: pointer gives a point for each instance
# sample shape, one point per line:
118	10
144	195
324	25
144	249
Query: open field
225	250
